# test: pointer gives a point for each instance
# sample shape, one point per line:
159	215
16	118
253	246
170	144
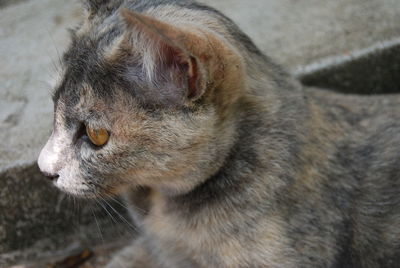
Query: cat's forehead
80	102
88	54
83	87
85	105
87	69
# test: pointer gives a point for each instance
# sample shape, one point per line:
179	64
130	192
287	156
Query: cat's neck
281	138
257	154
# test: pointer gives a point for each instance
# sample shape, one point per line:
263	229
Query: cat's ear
177	55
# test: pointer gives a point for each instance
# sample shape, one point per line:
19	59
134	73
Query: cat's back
372	129
368	111
378	156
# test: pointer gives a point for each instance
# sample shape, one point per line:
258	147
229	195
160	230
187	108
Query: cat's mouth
74	189
79	187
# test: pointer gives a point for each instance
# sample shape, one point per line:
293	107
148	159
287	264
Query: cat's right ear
193	60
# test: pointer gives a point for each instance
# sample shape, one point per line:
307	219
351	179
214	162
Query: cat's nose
48	160
50	176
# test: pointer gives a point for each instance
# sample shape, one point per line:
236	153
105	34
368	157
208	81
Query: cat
224	159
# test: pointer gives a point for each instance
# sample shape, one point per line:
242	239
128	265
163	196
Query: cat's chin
80	193
71	187
87	191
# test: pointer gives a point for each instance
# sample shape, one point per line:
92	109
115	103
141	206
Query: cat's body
236	164
334	201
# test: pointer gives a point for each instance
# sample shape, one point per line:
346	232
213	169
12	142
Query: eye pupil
98	137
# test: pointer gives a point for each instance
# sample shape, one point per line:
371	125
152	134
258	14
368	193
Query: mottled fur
224	159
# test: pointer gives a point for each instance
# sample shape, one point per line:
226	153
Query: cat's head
144	99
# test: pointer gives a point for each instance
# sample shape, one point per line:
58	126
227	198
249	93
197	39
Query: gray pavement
33	34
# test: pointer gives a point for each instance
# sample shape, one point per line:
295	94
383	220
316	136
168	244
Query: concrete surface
300	32
34	223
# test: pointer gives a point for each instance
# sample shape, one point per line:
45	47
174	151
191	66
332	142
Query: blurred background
351	46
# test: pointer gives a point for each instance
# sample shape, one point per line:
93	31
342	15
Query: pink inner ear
193	85
184	67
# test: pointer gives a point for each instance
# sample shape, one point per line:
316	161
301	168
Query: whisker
55	47
102	195
116	200
132	232
98	226
111	216
121	216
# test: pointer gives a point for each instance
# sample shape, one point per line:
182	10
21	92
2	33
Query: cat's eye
98	137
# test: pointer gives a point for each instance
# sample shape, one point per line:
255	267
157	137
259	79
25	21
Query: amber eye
98	137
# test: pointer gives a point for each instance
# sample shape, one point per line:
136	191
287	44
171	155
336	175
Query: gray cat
225	160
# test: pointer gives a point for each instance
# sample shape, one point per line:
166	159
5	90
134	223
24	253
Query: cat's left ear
188	57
